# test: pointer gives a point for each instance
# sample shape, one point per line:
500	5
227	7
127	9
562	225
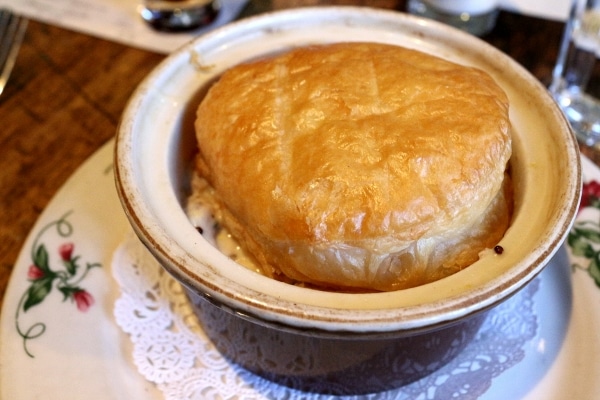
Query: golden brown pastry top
354	141
357	165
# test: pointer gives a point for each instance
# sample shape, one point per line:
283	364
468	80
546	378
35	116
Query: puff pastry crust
358	165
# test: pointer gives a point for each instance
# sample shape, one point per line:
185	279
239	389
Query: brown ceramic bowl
323	341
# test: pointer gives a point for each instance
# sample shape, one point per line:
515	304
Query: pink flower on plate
34	272
590	194
66	251
83	299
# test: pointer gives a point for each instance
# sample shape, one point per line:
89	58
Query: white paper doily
171	350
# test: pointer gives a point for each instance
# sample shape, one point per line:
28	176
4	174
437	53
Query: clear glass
477	17
576	77
179	15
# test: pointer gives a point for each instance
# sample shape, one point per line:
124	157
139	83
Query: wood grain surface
68	90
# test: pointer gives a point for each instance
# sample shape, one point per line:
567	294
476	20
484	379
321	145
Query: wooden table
68	90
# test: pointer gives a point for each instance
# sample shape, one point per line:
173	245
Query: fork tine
12	30
6	33
4	18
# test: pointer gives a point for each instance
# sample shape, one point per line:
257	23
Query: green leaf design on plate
37	292
41	258
594	269
579	246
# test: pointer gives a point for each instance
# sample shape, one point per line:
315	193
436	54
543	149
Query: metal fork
12	30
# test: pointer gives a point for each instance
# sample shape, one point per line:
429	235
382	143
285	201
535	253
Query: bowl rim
279	311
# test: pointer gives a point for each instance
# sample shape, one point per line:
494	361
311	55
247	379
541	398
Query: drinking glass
576	78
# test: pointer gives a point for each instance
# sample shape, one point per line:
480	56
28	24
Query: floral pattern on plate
584	238
43	277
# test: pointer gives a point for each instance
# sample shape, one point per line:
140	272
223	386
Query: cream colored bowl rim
145	143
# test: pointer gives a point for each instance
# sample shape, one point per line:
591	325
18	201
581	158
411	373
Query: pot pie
356	166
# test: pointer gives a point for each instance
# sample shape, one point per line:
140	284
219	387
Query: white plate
83	354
